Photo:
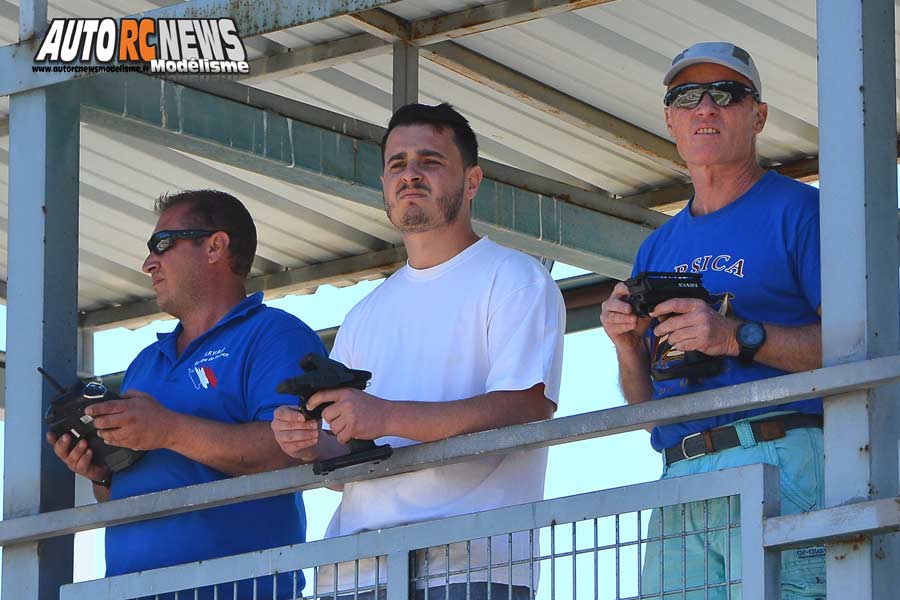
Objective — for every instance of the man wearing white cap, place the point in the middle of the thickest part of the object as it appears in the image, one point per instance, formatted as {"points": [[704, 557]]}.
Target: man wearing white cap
{"points": [[753, 235]]}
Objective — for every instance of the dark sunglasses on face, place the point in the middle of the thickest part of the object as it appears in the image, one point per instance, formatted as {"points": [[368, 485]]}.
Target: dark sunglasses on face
{"points": [[161, 241], [723, 93]]}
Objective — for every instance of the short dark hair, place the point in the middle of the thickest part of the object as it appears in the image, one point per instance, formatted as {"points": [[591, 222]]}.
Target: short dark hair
{"points": [[213, 209], [440, 117]]}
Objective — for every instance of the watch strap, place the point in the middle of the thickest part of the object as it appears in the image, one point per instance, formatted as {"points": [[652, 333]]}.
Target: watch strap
{"points": [[746, 353]]}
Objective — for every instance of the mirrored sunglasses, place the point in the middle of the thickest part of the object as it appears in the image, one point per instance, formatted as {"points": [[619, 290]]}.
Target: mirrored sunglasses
{"points": [[161, 241], [723, 93]]}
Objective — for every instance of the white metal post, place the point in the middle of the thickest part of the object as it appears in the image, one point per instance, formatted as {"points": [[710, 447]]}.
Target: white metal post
{"points": [[857, 139], [86, 542], [760, 570], [41, 316], [398, 575]]}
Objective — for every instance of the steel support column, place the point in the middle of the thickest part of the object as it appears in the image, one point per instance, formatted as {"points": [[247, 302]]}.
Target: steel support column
{"points": [[41, 325], [406, 75], [32, 19], [858, 127]]}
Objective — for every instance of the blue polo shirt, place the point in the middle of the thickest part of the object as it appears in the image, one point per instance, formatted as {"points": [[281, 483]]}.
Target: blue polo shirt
{"points": [[228, 374]]}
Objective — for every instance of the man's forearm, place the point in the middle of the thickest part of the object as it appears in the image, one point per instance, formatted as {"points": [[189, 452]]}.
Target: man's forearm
{"points": [[792, 349], [239, 449], [430, 421], [634, 375]]}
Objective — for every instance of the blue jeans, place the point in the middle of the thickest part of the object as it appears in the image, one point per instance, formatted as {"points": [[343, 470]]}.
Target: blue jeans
{"points": [[799, 457]]}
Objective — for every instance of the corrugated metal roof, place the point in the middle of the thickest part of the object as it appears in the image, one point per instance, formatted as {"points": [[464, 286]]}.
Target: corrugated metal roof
{"points": [[611, 57]]}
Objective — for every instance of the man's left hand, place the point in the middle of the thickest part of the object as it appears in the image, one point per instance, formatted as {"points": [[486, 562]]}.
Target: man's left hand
{"points": [[692, 324], [137, 421], [354, 414]]}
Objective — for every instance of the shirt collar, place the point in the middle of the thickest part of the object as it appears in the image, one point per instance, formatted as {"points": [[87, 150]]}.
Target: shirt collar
{"points": [[166, 341]]}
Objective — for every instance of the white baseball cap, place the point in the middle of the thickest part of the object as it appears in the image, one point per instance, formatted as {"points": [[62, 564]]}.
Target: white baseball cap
{"points": [[719, 53]]}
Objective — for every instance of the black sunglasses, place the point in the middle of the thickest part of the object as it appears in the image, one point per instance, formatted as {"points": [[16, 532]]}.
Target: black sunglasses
{"points": [[161, 241], [723, 93]]}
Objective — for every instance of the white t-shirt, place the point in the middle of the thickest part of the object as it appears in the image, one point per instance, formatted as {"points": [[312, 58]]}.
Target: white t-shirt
{"points": [[489, 319]]}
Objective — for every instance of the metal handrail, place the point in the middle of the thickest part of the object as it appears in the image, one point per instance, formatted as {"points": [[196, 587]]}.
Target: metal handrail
{"points": [[826, 381], [756, 485]]}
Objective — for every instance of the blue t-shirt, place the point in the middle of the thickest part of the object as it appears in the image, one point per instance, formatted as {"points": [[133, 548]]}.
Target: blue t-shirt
{"points": [[763, 248], [228, 374]]}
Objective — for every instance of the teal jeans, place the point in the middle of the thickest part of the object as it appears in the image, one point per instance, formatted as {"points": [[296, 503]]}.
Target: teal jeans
{"points": [[698, 558]]}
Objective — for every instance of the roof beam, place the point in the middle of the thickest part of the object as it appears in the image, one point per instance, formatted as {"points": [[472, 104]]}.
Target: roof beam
{"points": [[261, 44], [667, 195], [392, 28], [513, 84], [491, 16], [266, 16], [362, 130], [804, 169], [382, 29], [245, 189], [582, 296], [380, 23], [595, 200], [318, 56], [340, 165], [275, 285]]}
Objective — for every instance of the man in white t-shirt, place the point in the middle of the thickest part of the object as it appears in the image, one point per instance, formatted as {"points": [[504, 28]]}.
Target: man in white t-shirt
{"points": [[468, 336]]}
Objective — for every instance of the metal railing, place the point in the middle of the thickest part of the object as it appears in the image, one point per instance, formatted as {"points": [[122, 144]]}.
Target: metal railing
{"points": [[586, 546], [821, 382]]}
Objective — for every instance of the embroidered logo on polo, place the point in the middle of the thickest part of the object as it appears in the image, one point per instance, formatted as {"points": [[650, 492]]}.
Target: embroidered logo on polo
{"points": [[203, 377], [201, 372]]}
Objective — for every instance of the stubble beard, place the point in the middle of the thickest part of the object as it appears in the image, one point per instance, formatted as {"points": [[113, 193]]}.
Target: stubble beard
{"points": [[416, 220]]}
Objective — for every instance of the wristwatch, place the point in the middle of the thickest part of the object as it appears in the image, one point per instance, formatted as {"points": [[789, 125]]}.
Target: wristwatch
{"points": [[750, 338]]}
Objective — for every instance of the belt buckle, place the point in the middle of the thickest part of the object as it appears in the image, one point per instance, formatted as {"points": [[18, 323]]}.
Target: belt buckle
{"points": [[684, 452]]}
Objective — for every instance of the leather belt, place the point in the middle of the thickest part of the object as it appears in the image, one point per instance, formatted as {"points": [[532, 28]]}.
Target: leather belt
{"points": [[721, 438]]}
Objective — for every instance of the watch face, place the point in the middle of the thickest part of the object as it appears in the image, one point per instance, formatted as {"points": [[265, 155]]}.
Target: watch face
{"points": [[751, 335]]}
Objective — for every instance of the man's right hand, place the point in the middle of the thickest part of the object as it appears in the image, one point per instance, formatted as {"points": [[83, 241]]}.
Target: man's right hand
{"points": [[77, 457], [297, 435], [621, 324]]}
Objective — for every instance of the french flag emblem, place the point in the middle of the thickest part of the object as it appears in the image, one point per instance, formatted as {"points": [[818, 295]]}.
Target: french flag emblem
{"points": [[203, 377]]}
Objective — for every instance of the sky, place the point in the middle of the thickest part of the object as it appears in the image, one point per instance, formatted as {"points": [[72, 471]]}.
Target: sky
{"points": [[589, 383]]}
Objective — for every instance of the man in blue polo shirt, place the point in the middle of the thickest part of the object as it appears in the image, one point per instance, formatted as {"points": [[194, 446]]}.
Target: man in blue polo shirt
{"points": [[753, 235], [200, 399]]}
